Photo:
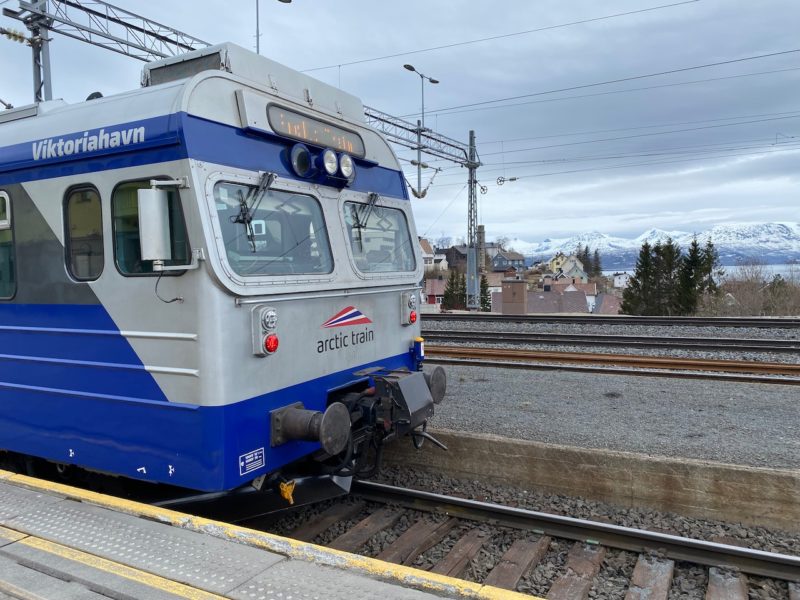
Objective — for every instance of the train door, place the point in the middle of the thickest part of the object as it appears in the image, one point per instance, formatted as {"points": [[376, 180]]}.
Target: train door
{"points": [[8, 280]]}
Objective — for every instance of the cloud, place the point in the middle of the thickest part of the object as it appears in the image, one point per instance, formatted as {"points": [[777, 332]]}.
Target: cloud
{"points": [[670, 195]]}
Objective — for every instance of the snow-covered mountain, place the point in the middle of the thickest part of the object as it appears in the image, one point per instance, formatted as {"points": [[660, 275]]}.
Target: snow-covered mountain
{"points": [[770, 243]]}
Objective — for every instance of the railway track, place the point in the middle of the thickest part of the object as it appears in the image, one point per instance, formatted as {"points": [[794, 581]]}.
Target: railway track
{"points": [[729, 370], [758, 322], [456, 530], [634, 341]]}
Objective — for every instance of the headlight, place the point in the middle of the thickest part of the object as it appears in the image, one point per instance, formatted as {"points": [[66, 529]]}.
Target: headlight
{"points": [[330, 162], [347, 167], [302, 163]]}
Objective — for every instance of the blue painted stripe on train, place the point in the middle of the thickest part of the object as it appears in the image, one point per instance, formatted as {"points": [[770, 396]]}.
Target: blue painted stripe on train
{"points": [[91, 364], [162, 142], [63, 330], [223, 144], [173, 137], [64, 316], [78, 394], [104, 365], [198, 449]]}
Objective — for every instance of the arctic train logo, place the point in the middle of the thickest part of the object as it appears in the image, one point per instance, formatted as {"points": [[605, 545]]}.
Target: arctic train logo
{"points": [[348, 316], [346, 339]]}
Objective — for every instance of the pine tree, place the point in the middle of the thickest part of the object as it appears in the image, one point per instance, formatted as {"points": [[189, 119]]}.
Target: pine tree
{"points": [[486, 297], [597, 266], [637, 299], [461, 292], [583, 256], [711, 271], [689, 280], [450, 291], [666, 265]]}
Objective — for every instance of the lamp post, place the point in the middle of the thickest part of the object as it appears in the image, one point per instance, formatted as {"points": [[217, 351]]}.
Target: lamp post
{"points": [[420, 126], [258, 26]]}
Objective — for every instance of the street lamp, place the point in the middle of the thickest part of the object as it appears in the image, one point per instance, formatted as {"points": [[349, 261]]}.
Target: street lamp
{"points": [[258, 28], [420, 126]]}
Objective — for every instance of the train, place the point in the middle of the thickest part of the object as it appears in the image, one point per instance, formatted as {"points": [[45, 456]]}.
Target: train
{"points": [[210, 282]]}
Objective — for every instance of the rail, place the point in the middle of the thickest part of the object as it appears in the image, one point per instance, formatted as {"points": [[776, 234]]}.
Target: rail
{"points": [[610, 364], [746, 560], [759, 322], [580, 339]]}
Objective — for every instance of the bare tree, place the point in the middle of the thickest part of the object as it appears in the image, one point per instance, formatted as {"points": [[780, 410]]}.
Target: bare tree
{"points": [[743, 290], [783, 294]]}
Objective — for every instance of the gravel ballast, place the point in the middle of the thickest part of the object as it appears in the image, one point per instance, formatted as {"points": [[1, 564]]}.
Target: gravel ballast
{"points": [[689, 582], [739, 423], [698, 332]]}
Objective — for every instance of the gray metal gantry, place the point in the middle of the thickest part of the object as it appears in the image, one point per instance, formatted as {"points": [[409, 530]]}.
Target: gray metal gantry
{"points": [[413, 136], [100, 24]]}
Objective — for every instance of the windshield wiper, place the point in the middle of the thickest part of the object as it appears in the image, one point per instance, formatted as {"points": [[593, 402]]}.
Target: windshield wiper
{"points": [[246, 212], [360, 219], [372, 199]]}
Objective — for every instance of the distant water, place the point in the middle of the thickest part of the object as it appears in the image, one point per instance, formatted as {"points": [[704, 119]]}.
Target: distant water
{"points": [[785, 270]]}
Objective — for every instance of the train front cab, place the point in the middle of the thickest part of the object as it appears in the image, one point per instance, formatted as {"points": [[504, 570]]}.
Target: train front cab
{"points": [[337, 372]]}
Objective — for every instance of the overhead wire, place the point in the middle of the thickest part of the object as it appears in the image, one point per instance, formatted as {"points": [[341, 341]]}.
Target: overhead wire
{"points": [[444, 210], [696, 153], [647, 163], [446, 112], [638, 127], [619, 80], [498, 37], [777, 116], [641, 135]]}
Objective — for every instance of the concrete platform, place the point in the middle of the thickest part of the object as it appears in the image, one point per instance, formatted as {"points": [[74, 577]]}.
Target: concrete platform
{"points": [[62, 542], [710, 490]]}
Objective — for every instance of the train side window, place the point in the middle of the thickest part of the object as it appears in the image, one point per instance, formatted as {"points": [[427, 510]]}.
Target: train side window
{"points": [[125, 218], [83, 222], [8, 278]]}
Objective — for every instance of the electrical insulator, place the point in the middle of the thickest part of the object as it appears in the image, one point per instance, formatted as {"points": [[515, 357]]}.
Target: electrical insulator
{"points": [[13, 35]]}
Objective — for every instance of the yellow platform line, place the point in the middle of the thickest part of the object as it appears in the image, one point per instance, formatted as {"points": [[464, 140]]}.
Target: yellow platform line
{"points": [[114, 568], [288, 547]]}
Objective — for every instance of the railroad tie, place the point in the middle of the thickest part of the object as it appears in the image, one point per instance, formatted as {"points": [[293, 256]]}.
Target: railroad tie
{"points": [[583, 565], [461, 554], [726, 585], [517, 561], [307, 532], [652, 578], [352, 540], [421, 536]]}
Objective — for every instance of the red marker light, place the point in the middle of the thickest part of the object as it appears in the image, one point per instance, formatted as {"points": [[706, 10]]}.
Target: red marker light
{"points": [[271, 343], [412, 318]]}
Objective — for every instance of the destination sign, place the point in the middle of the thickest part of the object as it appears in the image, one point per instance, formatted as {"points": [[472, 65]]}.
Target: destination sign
{"points": [[308, 129]]}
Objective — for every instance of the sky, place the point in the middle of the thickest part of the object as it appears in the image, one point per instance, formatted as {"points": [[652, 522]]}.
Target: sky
{"points": [[570, 97]]}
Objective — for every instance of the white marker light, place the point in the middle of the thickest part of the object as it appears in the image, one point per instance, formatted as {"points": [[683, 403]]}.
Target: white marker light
{"points": [[330, 161], [347, 167]]}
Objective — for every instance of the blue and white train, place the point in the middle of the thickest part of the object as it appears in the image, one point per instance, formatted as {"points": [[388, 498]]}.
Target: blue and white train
{"points": [[209, 282]]}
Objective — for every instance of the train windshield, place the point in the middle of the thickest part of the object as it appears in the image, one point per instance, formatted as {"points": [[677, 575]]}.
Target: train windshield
{"points": [[272, 232], [379, 237]]}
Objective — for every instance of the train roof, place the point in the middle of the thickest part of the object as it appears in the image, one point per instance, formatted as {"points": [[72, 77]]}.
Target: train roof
{"points": [[201, 84], [282, 81], [165, 86]]}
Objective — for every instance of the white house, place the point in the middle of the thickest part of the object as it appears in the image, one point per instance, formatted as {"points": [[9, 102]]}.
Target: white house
{"points": [[621, 280], [433, 261]]}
